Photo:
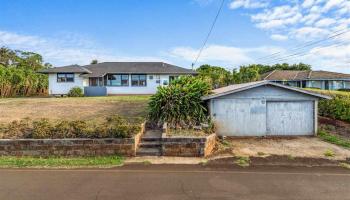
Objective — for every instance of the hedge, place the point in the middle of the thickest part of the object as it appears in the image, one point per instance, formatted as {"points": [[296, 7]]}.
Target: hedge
{"points": [[336, 108], [112, 127]]}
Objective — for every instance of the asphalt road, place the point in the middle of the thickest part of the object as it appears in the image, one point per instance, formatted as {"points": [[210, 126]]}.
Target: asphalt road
{"points": [[175, 182]]}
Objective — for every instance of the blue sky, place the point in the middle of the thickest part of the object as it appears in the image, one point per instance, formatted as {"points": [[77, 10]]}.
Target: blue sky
{"points": [[77, 31]]}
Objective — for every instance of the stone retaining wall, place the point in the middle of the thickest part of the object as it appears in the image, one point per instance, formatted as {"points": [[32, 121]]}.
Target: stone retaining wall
{"points": [[187, 146], [71, 147]]}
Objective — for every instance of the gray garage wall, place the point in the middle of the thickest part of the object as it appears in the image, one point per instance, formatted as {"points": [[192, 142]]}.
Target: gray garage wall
{"points": [[265, 110]]}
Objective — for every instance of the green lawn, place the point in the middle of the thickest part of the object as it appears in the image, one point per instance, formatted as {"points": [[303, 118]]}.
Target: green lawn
{"points": [[64, 162], [70, 108]]}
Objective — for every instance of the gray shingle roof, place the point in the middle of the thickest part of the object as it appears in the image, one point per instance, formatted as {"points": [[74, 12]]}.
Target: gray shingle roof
{"points": [[100, 69], [245, 86], [65, 69], [290, 75]]}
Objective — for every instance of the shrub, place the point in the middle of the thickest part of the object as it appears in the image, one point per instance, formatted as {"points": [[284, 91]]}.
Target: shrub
{"points": [[42, 129], [20, 128], [113, 127], [76, 92], [117, 127], [180, 103], [62, 129], [336, 108]]}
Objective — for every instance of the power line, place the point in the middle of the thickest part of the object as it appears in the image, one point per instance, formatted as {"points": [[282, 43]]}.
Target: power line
{"points": [[307, 44], [304, 52], [209, 33]]}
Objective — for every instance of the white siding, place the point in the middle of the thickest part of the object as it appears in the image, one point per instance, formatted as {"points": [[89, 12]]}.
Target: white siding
{"points": [[58, 88], [151, 87]]}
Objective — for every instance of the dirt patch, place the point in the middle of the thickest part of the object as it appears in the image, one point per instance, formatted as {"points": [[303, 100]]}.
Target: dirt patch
{"points": [[278, 160], [306, 147], [85, 108], [334, 126]]}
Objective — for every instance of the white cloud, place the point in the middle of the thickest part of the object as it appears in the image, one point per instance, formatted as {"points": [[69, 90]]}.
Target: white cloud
{"points": [[250, 4], [298, 17], [278, 17], [231, 55], [66, 48], [279, 37], [310, 33], [308, 3], [332, 4], [325, 22]]}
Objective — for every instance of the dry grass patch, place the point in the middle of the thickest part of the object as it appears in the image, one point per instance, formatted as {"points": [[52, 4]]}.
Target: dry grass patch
{"points": [[294, 147], [83, 108]]}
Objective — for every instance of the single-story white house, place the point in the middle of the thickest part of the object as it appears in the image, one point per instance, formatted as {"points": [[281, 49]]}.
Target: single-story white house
{"points": [[263, 108], [113, 78]]}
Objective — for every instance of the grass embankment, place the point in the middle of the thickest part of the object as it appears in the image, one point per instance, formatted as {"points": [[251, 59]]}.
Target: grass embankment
{"points": [[60, 162], [334, 139]]}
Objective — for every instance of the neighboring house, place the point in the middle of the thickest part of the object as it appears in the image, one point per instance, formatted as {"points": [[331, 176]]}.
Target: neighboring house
{"points": [[263, 108], [113, 78], [310, 79]]}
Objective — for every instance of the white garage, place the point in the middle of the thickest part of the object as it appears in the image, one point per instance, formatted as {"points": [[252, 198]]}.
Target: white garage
{"points": [[263, 108]]}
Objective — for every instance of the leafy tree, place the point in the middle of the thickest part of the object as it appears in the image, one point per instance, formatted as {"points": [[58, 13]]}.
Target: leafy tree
{"points": [[18, 75], [220, 77], [93, 62], [215, 75]]}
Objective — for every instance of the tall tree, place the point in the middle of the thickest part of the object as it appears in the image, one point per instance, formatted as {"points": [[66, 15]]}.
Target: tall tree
{"points": [[215, 75], [18, 76], [93, 62]]}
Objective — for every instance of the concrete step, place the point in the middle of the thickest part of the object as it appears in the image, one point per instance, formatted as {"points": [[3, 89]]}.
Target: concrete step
{"points": [[152, 144], [151, 139], [149, 152]]}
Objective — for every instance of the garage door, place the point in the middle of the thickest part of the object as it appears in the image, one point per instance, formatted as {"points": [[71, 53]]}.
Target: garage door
{"points": [[240, 117], [290, 118]]}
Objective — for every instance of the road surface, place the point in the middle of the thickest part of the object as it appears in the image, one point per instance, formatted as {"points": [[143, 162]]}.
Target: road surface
{"points": [[175, 182]]}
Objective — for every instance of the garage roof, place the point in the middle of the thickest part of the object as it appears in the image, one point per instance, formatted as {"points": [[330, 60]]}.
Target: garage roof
{"points": [[245, 86]]}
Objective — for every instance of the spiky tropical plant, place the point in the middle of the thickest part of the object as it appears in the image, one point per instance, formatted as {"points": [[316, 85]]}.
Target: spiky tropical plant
{"points": [[180, 104]]}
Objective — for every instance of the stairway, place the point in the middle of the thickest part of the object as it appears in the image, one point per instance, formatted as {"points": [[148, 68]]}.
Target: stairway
{"points": [[151, 144]]}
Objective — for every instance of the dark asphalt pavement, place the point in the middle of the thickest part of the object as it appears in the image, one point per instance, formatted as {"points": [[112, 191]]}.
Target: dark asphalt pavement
{"points": [[175, 182]]}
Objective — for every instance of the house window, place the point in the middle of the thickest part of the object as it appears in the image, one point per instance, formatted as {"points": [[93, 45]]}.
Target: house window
{"points": [[157, 77], [118, 80], [150, 77], [172, 78], [139, 80], [65, 77]]}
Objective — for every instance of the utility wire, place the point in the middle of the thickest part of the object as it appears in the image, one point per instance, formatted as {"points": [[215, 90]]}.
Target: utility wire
{"points": [[209, 33], [304, 53], [307, 44]]}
